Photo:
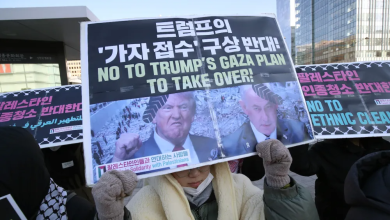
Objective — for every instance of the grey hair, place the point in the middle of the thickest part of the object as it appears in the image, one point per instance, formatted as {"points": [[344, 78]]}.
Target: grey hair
{"points": [[243, 90]]}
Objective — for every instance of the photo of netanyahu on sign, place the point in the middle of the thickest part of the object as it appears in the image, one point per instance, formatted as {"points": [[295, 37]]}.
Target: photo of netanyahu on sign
{"points": [[172, 115], [260, 105]]}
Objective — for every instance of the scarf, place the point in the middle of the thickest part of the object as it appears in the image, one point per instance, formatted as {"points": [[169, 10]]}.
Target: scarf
{"points": [[195, 192], [235, 165], [202, 197], [53, 206]]}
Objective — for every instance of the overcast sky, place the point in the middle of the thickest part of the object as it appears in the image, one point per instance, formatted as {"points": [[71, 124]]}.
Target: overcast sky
{"points": [[119, 9]]}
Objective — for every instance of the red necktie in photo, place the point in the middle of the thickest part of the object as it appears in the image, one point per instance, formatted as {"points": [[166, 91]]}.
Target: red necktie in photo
{"points": [[179, 148]]}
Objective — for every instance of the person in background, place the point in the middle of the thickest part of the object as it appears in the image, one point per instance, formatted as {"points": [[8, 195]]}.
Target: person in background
{"points": [[96, 157], [67, 168], [331, 161], [367, 187], [209, 193], [23, 174], [100, 149]]}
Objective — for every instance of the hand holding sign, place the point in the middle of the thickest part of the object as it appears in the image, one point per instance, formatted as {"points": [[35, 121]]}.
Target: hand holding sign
{"points": [[276, 160], [110, 191], [185, 93], [126, 146]]}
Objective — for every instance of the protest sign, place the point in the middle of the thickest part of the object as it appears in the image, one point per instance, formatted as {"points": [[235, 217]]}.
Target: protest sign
{"points": [[177, 93], [52, 115], [9, 209], [347, 100]]}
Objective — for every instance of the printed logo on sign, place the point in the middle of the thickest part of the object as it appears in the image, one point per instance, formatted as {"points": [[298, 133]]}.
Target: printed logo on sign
{"points": [[171, 159], [65, 129], [101, 170], [382, 101]]}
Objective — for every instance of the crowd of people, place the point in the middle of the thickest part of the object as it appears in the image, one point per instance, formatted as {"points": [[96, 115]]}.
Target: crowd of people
{"points": [[331, 161], [353, 175], [126, 114], [95, 107], [353, 183]]}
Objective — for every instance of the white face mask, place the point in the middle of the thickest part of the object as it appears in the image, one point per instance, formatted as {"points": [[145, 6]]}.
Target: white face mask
{"points": [[195, 192]]}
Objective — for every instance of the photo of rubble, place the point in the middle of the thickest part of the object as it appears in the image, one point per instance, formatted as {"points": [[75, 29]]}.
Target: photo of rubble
{"points": [[230, 115], [110, 119]]}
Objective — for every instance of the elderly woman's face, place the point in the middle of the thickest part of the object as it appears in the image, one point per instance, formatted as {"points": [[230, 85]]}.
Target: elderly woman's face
{"points": [[192, 178]]}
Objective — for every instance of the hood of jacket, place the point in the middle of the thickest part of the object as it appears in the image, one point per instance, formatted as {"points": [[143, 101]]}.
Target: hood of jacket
{"points": [[367, 187], [23, 173]]}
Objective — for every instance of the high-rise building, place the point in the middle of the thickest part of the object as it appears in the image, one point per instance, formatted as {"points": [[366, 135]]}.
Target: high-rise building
{"points": [[293, 44], [335, 31], [285, 10]]}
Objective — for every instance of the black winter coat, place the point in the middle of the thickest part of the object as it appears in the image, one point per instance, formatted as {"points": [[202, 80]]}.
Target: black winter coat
{"points": [[330, 160], [25, 176], [367, 188]]}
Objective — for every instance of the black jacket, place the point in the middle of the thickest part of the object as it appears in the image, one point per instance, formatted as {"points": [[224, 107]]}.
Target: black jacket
{"points": [[367, 188], [23, 174], [66, 167], [331, 160]]}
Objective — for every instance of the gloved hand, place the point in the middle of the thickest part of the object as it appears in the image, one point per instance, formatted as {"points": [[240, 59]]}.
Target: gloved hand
{"points": [[110, 191], [276, 161]]}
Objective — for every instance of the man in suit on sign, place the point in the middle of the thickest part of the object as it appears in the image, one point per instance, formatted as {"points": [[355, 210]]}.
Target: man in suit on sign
{"points": [[173, 115], [260, 104]]}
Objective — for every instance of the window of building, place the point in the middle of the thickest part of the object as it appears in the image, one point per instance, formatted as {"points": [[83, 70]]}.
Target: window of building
{"points": [[29, 76], [388, 54], [378, 41], [378, 53]]}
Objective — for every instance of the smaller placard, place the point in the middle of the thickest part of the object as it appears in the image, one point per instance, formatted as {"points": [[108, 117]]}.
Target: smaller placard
{"points": [[9, 209]]}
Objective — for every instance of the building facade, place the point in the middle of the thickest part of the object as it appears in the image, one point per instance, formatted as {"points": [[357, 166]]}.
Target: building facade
{"points": [[373, 30], [293, 44], [74, 68], [336, 31], [16, 77], [303, 32], [35, 44], [26, 65], [286, 20], [74, 71]]}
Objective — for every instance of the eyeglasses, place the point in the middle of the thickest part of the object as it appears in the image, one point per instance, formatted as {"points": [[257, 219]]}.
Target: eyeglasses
{"points": [[185, 173]]}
